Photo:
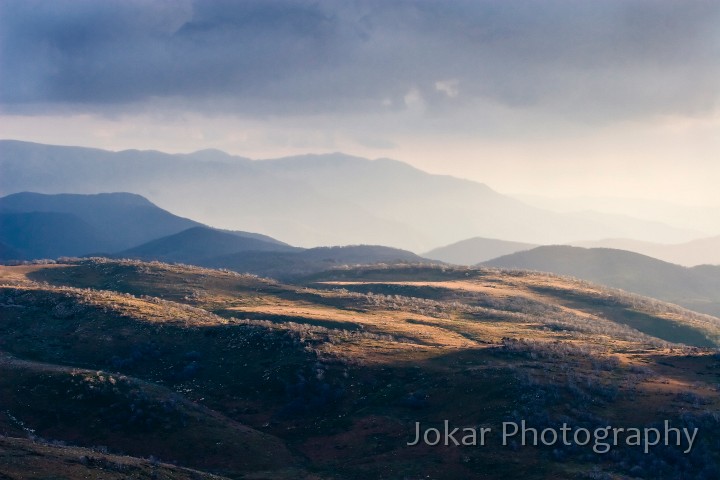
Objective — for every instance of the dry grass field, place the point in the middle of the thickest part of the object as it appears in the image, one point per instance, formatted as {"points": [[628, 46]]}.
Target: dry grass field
{"points": [[154, 369]]}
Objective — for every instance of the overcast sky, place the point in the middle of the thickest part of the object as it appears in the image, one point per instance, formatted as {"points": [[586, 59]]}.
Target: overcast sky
{"points": [[569, 97]]}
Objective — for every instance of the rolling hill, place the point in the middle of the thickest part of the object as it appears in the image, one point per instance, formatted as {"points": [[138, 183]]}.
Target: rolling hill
{"points": [[696, 288], [476, 250], [325, 378], [196, 245], [293, 264], [310, 200], [472, 251], [213, 248], [18, 456]]}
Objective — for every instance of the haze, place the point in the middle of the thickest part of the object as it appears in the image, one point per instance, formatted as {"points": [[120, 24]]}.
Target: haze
{"points": [[555, 98]]}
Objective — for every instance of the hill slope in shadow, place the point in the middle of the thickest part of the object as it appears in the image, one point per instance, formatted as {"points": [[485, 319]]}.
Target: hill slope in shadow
{"points": [[198, 244], [111, 221], [697, 288]]}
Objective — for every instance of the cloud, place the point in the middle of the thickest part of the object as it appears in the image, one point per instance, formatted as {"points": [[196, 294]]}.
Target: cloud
{"points": [[414, 100], [448, 87], [583, 60]]}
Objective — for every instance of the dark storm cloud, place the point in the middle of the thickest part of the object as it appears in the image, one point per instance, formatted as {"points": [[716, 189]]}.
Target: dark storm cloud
{"points": [[581, 58]]}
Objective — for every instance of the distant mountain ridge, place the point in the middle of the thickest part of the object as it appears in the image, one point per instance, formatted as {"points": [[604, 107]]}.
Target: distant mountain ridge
{"points": [[310, 200], [115, 220], [199, 244], [696, 288], [34, 226], [702, 218], [476, 250], [703, 251]]}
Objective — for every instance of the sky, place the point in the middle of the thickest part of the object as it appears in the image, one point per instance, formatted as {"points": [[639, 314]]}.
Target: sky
{"points": [[558, 98]]}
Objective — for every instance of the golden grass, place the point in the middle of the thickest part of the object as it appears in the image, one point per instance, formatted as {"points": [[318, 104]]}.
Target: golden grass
{"points": [[561, 328]]}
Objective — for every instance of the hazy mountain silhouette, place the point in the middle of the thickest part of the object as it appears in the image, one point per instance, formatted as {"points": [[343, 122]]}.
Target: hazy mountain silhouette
{"points": [[696, 252], [8, 253], [256, 236], [36, 226], [232, 250], [47, 235], [476, 250], [51, 226], [312, 199], [696, 288], [119, 220], [216, 188], [700, 218], [197, 244]]}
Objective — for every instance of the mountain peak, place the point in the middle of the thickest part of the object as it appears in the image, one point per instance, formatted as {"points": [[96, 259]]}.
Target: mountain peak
{"points": [[109, 221], [214, 155]]}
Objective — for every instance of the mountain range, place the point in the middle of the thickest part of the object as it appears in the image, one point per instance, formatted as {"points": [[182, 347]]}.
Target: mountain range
{"points": [[313, 200], [702, 251], [124, 225]]}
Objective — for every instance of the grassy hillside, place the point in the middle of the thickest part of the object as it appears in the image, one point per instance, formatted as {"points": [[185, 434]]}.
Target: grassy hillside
{"points": [[213, 248], [47, 460], [294, 264], [242, 376]]}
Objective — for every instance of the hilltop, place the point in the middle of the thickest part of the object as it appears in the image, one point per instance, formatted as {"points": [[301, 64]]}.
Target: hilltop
{"points": [[476, 250]]}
